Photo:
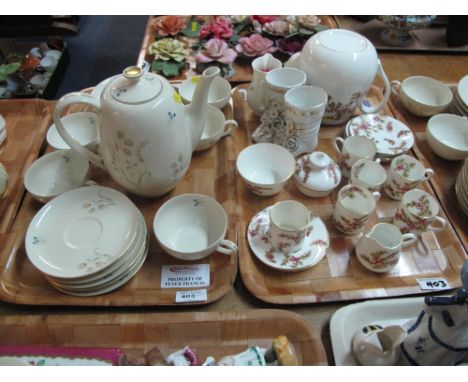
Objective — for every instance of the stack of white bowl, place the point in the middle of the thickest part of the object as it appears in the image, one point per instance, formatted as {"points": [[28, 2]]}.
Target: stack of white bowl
{"points": [[461, 187], [460, 98], [3, 133], [88, 241]]}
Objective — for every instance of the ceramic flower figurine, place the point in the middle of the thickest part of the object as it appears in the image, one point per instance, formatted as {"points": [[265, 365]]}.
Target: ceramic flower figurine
{"points": [[303, 22], [217, 52], [255, 45], [290, 45], [262, 19], [237, 19], [276, 28], [220, 28], [168, 49], [169, 56], [169, 25]]}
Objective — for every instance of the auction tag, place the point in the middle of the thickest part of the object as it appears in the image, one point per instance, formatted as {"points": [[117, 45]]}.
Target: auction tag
{"points": [[191, 295], [433, 284], [185, 276]]}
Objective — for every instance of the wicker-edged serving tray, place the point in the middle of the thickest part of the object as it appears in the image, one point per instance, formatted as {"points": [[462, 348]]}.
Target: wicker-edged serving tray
{"points": [[338, 276], [446, 171], [211, 333], [211, 172]]}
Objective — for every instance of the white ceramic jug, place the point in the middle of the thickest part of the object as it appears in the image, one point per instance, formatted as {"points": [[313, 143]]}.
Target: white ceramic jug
{"points": [[255, 94], [344, 64], [146, 134]]}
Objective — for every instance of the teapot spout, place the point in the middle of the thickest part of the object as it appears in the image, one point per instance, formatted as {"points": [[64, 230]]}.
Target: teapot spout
{"points": [[196, 111]]}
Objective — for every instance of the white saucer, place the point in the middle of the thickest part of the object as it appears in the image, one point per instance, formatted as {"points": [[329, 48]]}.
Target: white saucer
{"points": [[391, 137], [313, 249], [81, 232]]}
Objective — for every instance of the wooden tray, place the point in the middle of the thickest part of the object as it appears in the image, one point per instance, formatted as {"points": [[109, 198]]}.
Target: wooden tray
{"points": [[214, 333], [339, 276], [446, 171], [26, 124], [211, 172], [242, 66]]}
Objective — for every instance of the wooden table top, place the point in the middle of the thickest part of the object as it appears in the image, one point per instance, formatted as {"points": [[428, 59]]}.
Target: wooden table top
{"points": [[447, 68]]}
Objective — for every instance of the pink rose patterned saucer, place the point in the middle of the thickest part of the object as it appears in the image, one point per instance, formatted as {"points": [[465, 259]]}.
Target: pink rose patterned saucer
{"points": [[313, 249]]}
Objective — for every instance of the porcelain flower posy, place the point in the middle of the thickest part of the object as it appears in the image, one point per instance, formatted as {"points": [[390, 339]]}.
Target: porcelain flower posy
{"points": [[304, 21], [220, 28], [263, 19], [277, 27], [255, 45], [168, 49], [216, 50], [169, 25]]}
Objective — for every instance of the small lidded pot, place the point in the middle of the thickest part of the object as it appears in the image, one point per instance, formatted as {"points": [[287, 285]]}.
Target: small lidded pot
{"points": [[316, 174]]}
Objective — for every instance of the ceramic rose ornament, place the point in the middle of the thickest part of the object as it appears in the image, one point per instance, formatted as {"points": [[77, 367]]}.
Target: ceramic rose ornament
{"points": [[217, 52], [255, 46], [169, 25], [220, 28], [169, 56]]}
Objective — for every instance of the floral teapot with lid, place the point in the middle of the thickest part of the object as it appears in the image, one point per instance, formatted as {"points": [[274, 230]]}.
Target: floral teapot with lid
{"points": [[146, 134], [344, 64]]}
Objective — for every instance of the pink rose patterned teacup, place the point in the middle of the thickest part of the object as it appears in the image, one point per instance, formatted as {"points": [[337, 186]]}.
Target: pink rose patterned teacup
{"points": [[352, 149]]}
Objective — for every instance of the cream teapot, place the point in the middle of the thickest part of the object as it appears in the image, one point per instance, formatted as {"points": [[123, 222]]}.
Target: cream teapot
{"points": [[146, 134]]}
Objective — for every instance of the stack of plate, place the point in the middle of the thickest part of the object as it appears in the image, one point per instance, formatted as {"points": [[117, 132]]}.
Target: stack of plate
{"points": [[461, 187], [3, 132], [88, 241], [459, 104], [391, 136]]}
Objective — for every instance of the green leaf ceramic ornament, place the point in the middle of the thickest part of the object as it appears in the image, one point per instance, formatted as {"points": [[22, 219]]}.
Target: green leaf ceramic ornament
{"points": [[7, 69]]}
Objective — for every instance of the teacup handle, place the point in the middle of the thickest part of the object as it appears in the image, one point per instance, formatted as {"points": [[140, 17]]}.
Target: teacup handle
{"points": [[335, 144], [396, 86], [443, 224], [231, 126], [376, 195], [428, 174], [367, 109], [408, 239], [227, 247], [243, 94]]}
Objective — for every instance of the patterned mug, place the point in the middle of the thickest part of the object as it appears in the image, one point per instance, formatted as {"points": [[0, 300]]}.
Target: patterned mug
{"points": [[352, 149], [289, 223], [353, 207], [417, 212], [404, 174]]}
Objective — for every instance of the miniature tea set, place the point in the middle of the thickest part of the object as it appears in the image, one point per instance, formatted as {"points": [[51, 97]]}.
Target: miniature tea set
{"points": [[151, 157]]}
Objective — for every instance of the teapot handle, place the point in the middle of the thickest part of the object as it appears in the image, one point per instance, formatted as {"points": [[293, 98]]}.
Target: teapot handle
{"points": [[368, 109], [65, 101]]}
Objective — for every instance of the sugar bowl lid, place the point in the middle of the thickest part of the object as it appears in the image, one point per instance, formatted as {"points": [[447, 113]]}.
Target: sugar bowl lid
{"points": [[317, 171]]}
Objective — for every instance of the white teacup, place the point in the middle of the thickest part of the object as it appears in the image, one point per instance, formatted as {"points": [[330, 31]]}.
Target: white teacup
{"points": [[192, 226], [404, 174], [379, 249], [56, 173], [218, 95], [352, 149], [368, 174], [423, 96], [417, 212], [216, 127], [265, 168], [49, 63], [289, 223], [353, 206]]}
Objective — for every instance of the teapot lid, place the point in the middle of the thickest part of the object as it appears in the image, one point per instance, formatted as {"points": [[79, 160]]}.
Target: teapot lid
{"points": [[317, 171], [135, 86]]}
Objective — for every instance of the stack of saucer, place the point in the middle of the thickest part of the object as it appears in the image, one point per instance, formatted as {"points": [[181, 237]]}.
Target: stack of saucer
{"points": [[3, 133], [88, 241], [459, 104], [391, 136], [461, 187]]}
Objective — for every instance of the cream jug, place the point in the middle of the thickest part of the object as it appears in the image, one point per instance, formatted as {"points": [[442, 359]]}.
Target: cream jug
{"points": [[146, 134], [344, 64]]}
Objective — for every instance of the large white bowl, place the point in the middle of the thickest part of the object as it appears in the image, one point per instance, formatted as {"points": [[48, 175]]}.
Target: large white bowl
{"points": [[190, 226], [265, 168], [447, 135], [218, 96]]}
